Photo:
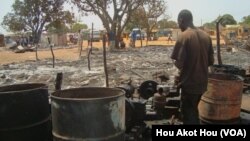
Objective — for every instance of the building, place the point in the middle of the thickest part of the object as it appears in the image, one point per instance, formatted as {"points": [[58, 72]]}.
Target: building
{"points": [[236, 31], [175, 33]]}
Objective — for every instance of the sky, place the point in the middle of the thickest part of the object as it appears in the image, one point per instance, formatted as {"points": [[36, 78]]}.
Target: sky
{"points": [[203, 10]]}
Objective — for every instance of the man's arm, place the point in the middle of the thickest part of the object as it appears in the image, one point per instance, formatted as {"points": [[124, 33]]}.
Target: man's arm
{"points": [[179, 54], [210, 54]]}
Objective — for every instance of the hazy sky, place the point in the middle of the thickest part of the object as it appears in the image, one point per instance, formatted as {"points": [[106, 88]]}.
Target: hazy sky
{"points": [[203, 10]]}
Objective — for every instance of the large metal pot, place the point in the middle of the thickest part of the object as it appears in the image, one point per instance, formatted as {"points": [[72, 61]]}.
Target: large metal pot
{"points": [[89, 114]]}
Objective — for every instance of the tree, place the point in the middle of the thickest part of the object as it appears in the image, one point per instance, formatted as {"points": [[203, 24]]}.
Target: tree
{"points": [[165, 23], [246, 20], [146, 16], [154, 9], [211, 25], [137, 19], [34, 15], [112, 21], [60, 24], [57, 27], [227, 19], [78, 26]]}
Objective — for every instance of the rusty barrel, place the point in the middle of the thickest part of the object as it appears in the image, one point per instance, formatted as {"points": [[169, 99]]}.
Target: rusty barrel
{"points": [[88, 114], [229, 69], [24, 112], [221, 103]]}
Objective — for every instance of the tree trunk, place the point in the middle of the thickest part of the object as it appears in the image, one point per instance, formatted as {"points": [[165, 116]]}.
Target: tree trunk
{"points": [[105, 61], [36, 36], [112, 37]]}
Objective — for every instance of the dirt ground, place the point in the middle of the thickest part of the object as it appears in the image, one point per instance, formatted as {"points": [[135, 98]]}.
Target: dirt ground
{"points": [[71, 53], [68, 53]]}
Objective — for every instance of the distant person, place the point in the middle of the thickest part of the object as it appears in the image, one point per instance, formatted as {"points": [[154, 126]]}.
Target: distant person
{"points": [[31, 42], [22, 41], [111, 40], [192, 55], [18, 41], [107, 39], [169, 37], [133, 38], [122, 43], [79, 36]]}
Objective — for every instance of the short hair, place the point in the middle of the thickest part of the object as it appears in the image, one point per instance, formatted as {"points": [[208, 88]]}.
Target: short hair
{"points": [[186, 15]]}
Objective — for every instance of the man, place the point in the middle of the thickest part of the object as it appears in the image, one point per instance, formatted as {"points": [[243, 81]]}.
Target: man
{"points": [[80, 40], [192, 55], [133, 36], [111, 41], [169, 38]]}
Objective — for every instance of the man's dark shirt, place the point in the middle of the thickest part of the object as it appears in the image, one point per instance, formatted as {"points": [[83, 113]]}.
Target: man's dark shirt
{"points": [[193, 53]]}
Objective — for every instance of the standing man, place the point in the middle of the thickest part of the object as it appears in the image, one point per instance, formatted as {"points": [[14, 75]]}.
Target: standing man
{"points": [[80, 40], [111, 41], [169, 37], [192, 55], [133, 38]]}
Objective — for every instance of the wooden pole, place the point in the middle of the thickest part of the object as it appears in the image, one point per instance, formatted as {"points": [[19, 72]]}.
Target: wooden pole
{"points": [[36, 52], [141, 38], [91, 43], [53, 56], [58, 83], [105, 61], [89, 52], [218, 41], [81, 41]]}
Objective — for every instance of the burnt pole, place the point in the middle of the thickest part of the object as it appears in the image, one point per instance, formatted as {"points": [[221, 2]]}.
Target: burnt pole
{"points": [[218, 41], [105, 61], [58, 82]]}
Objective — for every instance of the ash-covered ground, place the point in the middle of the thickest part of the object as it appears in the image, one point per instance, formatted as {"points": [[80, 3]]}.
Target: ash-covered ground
{"points": [[139, 65]]}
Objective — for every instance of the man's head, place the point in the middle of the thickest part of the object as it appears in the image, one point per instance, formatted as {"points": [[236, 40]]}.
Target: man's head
{"points": [[185, 19]]}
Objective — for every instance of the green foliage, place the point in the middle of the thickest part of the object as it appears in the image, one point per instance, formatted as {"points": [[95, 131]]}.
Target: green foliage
{"points": [[78, 26], [246, 20], [112, 21], [34, 15], [13, 23], [227, 19], [211, 25], [146, 15], [59, 25], [138, 19], [115, 21], [165, 23]]}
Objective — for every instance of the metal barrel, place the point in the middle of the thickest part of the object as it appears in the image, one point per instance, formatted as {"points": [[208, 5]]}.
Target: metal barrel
{"points": [[89, 114], [229, 69], [221, 103], [24, 112]]}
